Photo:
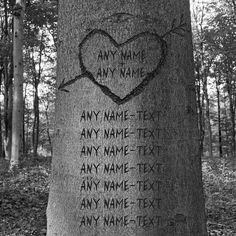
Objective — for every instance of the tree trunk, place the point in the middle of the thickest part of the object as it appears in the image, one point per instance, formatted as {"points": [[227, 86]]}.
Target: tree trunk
{"points": [[1, 143], [36, 99], [27, 137], [7, 108], [208, 119], [234, 6], [126, 148], [232, 115], [48, 128], [25, 122], [219, 117], [36, 122], [17, 114], [200, 108], [23, 129], [226, 127], [7, 90], [5, 19]]}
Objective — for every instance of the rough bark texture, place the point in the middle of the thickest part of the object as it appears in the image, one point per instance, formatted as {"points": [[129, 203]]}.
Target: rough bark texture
{"points": [[1, 143], [208, 119], [219, 117], [232, 116], [152, 185], [200, 108], [37, 77], [35, 134], [17, 113], [48, 128], [7, 108]]}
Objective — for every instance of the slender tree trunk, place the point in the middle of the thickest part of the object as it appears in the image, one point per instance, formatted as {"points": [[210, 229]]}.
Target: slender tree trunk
{"points": [[208, 119], [27, 132], [227, 130], [232, 117], [8, 137], [1, 138], [219, 117], [36, 99], [36, 121], [25, 122], [5, 19], [200, 108], [48, 128], [7, 108], [203, 118], [17, 114], [23, 130], [234, 6], [7, 90], [145, 106]]}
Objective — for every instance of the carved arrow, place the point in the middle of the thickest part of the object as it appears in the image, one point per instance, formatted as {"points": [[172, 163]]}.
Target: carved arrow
{"points": [[64, 84]]}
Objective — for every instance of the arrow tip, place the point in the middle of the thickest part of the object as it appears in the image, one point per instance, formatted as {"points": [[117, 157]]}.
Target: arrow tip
{"points": [[62, 85]]}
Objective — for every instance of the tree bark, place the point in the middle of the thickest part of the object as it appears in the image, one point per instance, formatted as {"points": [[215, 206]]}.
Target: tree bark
{"points": [[23, 129], [48, 128], [205, 70], [1, 138], [7, 108], [200, 108], [219, 117], [37, 76], [25, 122], [27, 128], [35, 134], [17, 114], [234, 6], [232, 115], [227, 129], [7, 66], [125, 82], [5, 19]]}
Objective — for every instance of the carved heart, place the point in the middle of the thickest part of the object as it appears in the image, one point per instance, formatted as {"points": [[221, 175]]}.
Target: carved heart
{"points": [[116, 68]]}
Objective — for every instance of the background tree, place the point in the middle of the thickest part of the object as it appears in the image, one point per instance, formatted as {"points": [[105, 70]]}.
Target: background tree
{"points": [[17, 113], [7, 75]]}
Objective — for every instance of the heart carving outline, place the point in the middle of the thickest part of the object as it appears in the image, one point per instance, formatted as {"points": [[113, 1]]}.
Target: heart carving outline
{"points": [[141, 86]]}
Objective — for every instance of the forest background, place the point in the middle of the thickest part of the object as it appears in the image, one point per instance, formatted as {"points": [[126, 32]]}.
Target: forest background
{"points": [[24, 191]]}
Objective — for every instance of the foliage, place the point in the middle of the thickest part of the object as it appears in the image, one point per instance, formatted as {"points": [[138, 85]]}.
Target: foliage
{"points": [[219, 184], [214, 37], [40, 17]]}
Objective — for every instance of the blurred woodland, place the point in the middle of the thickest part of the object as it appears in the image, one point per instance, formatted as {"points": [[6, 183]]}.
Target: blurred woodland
{"points": [[24, 189]]}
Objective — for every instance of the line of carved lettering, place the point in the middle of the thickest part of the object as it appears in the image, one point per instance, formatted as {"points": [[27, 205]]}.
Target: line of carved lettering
{"points": [[144, 221], [122, 185], [119, 203], [121, 116], [142, 133], [123, 168], [122, 150], [119, 133]]}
